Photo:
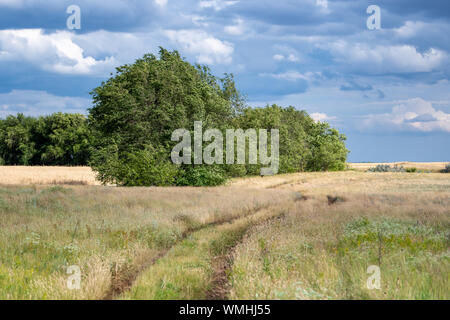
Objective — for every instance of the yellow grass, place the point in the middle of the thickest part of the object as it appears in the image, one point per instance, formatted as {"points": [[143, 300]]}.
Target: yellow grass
{"points": [[26, 175], [432, 166], [168, 238]]}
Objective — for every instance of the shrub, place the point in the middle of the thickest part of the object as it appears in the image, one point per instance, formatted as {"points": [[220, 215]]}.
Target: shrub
{"points": [[146, 167], [387, 168], [446, 169], [199, 176], [410, 170]]}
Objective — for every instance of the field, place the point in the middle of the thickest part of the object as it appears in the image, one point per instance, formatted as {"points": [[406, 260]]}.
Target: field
{"points": [[424, 166], [296, 236]]}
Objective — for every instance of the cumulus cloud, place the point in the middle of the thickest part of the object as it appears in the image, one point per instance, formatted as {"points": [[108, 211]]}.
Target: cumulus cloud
{"points": [[217, 5], [34, 102], [161, 3], [290, 57], [292, 75], [414, 114], [206, 48], [382, 59], [237, 29], [409, 29], [54, 52], [323, 5], [319, 116]]}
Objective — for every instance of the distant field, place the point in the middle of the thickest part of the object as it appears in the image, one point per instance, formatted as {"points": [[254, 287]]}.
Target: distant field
{"points": [[293, 236], [26, 175], [431, 166]]}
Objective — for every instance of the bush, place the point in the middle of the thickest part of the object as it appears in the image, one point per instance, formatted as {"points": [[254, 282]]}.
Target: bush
{"points": [[447, 169], [387, 168], [411, 170], [199, 176], [146, 167]]}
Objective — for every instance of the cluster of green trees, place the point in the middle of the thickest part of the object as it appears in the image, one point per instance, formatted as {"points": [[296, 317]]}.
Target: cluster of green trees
{"points": [[57, 139], [126, 138]]}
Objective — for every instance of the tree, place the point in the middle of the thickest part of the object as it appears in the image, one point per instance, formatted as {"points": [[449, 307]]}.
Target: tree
{"points": [[58, 139], [62, 139], [143, 103], [16, 145]]}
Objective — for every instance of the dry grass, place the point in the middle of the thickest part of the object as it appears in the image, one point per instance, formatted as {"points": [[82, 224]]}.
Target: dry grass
{"points": [[431, 166], [319, 250], [108, 232], [26, 175], [399, 221]]}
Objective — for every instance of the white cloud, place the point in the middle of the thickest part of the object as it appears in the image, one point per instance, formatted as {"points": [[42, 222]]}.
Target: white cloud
{"points": [[318, 116], [291, 75], [33, 103], [161, 3], [409, 29], [386, 59], [290, 57], [414, 114], [237, 29], [206, 48], [323, 5], [217, 5], [278, 57], [54, 52], [198, 21], [284, 52]]}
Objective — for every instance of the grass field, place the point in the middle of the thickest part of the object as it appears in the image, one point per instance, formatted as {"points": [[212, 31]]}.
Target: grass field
{"points": [[426, 166], [297, 236]]}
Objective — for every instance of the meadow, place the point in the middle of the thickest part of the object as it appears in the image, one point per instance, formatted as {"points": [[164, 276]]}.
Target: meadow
{"points": [[293, 236]]}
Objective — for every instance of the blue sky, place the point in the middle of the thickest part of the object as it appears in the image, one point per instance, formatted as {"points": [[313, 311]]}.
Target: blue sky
{"points": [[388, 90]]}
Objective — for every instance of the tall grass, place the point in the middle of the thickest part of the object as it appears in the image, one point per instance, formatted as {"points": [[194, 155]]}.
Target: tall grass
{"points": [[108, 232]]}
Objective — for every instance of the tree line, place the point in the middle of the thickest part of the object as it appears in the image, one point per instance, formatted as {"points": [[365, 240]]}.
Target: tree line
{"points": [[126, 137], [58, 139]]}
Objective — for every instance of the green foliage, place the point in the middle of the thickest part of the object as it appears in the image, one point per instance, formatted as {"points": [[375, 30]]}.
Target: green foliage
{"points": [[58, 139], [447, 169], [387, 168], [144, 103], [16, 144], [394, 235], [305, 145], [127, 136], [202, 176], [411, 170]]}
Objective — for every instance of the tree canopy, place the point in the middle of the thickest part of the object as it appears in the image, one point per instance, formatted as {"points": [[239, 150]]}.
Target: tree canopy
{"points": [[57, 139], [126, 137]]}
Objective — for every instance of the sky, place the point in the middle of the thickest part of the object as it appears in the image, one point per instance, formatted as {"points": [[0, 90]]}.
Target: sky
{"points": [[387, 89]]}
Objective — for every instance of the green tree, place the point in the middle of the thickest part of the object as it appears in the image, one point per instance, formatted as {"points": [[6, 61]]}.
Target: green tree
{"points": [[62, 139], [16, 144], [143, 103]]}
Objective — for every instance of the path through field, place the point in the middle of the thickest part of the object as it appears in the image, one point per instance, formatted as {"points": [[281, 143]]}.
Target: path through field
{"points": [[296, 236]]}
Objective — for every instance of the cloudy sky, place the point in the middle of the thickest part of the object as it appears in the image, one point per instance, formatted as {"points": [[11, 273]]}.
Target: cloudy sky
{"points": [[388, 90]]}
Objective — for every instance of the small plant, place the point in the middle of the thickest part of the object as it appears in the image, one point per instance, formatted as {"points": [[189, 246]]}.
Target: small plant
{"points": [[387, 168], [447, 169], [411, 170]]}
